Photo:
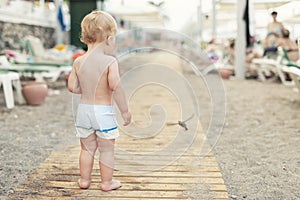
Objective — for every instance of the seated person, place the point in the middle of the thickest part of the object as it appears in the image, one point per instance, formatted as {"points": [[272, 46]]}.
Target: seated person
{"points": [[289, 45], [270, 44], [211, 50]]}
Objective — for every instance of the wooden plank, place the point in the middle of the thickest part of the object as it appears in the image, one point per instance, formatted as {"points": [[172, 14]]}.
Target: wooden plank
{"points": [[39, 197], [73, 169], [87, 194], [132, 186], [119, 193], [157, 165], [138, 180], [120, 154], [178, 158], [177, 173], [195, 146]]}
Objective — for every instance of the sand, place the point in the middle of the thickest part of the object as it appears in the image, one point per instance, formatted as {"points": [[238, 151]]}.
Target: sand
{"points": [[258, 150]]}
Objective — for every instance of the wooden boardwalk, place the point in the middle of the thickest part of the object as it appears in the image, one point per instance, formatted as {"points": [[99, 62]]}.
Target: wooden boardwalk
{"points": [[144, 168], [189, 177]]}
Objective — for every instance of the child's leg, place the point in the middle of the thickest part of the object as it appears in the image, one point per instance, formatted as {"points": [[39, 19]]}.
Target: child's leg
{"points": [[106, 149], [86, 160]]}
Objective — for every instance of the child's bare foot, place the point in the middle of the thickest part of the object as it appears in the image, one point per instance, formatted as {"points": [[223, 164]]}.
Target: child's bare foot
{"points": [[113, 185], [83, 184]]}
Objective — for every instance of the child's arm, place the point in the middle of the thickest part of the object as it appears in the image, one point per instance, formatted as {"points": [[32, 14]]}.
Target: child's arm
{"points": [[73, 82], [119, 95]]}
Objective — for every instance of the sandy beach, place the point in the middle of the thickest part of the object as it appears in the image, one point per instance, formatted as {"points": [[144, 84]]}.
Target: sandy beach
{"points": [[258, 151]]}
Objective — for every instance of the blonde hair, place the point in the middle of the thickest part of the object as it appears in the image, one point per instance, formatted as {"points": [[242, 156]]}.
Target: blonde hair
{"points": [[96, 26]]}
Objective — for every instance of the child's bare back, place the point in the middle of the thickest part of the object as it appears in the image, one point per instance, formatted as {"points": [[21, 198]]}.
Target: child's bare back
{"points": [[98, 77]]}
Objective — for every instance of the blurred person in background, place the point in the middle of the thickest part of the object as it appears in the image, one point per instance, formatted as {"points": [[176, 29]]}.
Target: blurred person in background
{"points": [[275, 27], [289, 45]]}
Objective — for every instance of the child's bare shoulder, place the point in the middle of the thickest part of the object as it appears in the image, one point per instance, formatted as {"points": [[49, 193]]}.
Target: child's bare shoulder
{"points": [[111, 60], [77, 62]]}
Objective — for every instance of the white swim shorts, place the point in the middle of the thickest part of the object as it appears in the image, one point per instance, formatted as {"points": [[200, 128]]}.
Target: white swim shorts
{"points": [[96, 118]]}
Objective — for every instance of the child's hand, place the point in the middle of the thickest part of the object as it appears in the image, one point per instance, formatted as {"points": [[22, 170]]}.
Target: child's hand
{"points": [[127, 118]]}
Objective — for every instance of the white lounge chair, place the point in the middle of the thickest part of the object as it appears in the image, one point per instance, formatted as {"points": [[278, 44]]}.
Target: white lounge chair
{"points": [[8, 80], [39, 72], [291, 68], [266, 66]]}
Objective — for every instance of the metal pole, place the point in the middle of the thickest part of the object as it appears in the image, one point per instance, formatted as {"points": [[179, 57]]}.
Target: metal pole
{"points": [[100, 4], [42, 4], [240, 43], [214, 21], [200, 21]]}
